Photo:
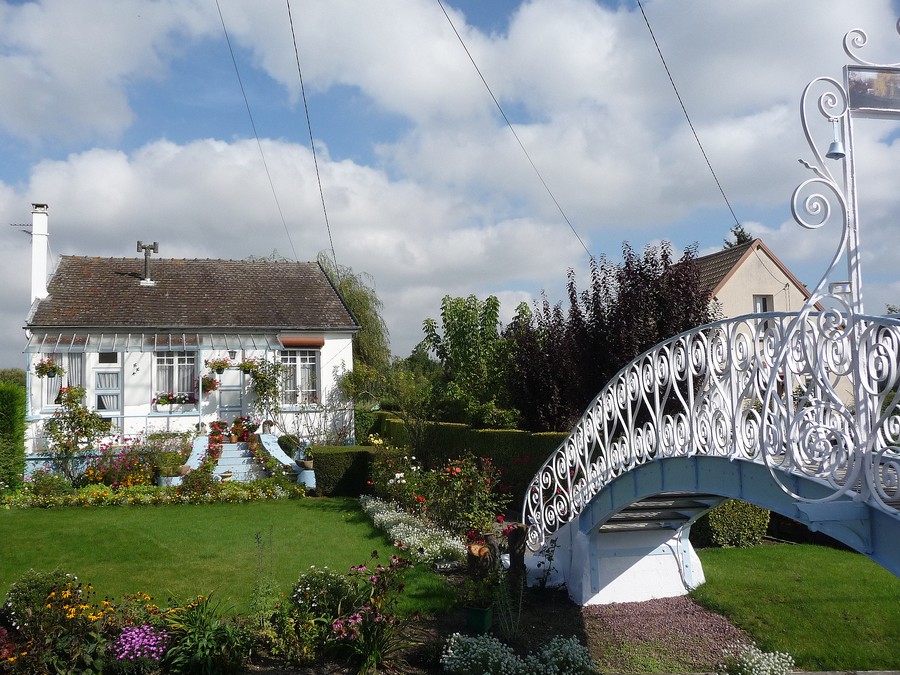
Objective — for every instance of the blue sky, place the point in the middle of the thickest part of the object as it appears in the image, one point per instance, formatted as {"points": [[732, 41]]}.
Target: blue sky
{"points": [[126, 117]]}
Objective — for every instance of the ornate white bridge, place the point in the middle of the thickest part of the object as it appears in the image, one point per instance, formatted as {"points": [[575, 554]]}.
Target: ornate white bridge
{"points": [[799, 413]]}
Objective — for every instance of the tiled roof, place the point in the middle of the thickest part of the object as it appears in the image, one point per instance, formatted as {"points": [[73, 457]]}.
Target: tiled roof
{"points": [[227, 294], [715, 266]]}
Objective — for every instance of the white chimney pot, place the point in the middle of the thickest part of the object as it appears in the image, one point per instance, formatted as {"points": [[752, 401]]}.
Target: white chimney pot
{"points": [[39, 249]]}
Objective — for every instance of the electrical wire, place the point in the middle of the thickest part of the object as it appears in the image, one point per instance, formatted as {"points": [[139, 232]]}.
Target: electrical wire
{"points": [[312, 144], [253, 125], [686, 116], [509, 124]]}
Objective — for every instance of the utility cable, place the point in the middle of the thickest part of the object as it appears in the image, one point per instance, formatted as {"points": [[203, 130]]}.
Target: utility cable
{"points": [[509, 124], [686, 116], [253, 125], [312, 144]]}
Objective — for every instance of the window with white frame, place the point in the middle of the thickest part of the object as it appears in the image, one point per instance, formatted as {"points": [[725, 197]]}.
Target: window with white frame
{"points": [[73, 364], [300, 377], [107, 389], [176, 373]]}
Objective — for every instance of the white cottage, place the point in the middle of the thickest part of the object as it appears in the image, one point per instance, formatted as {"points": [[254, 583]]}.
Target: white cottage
{"points": [[138, 333]]}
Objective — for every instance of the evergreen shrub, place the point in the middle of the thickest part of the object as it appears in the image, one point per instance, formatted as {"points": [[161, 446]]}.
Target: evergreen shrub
{"points": [[732, 523], [342, 470], [12, 435]]}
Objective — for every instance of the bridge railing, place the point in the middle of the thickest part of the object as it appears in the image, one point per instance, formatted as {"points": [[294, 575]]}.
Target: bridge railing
{"points": [[814, 394]]}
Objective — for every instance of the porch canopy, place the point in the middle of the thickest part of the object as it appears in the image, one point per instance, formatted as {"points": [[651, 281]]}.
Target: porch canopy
{"points": [[62, 343]]}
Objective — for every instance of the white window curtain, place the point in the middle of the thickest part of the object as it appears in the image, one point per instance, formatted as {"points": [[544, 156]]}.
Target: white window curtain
{"points": [[108, 381], [73, 364], [300, 376], [176, 372]]}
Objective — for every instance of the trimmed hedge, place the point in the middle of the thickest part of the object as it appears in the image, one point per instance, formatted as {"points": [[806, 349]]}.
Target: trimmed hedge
{"points": [[342, 470], [732, 523], [519, 454], [12, 435]]}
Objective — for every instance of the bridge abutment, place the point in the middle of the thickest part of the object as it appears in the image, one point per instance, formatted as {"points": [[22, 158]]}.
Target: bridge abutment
{"points": [[605, 567]]}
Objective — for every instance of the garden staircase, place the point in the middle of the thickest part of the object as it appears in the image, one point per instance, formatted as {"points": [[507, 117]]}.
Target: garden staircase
{"points": [[236, 461]]}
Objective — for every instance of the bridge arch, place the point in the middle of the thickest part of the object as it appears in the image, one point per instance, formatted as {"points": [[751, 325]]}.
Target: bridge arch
{"points": [[799, 413]]}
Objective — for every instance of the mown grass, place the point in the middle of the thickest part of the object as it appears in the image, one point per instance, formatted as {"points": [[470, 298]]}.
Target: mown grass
{"points": [[830, 609], [183, 550]]}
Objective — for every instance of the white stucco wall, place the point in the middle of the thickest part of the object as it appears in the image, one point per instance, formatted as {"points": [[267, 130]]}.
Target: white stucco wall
{"points": [[137, 415]]}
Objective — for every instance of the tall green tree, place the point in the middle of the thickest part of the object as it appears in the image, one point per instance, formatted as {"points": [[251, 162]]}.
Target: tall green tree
{"points": [[472, 354]]}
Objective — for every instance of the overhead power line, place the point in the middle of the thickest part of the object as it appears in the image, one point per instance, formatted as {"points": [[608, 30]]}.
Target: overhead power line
{"points": [[312, 144], [686, 116], [253, 125], [509, 124]]}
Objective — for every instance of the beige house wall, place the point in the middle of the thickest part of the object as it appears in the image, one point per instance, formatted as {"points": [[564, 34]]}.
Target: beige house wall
{"points": [[758, 275]]}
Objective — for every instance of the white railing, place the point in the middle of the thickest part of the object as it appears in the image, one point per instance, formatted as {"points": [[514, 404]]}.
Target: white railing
{"points": [[810, 394]]}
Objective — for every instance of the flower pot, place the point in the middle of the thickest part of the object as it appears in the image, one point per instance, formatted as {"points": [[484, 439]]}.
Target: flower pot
{"points": [[479, 619], [306, 463], [219, 371], [234, 438], [168, 481]]}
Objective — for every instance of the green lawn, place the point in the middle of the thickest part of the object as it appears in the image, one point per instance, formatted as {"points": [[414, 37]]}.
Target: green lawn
{"points": [[179, 551], [830, 609]]}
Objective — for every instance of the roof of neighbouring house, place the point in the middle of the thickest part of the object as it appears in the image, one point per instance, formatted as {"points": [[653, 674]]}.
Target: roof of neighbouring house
{"points": [[716, 268], [227, 294]]}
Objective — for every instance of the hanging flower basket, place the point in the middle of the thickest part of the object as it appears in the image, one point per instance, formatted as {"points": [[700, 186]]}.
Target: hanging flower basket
{"points": [[218, 365], [48, 368], [208, 383]]}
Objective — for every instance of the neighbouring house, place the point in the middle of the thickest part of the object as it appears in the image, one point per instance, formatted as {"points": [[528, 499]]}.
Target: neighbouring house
{"points": [[138, 334], [750, 279]]}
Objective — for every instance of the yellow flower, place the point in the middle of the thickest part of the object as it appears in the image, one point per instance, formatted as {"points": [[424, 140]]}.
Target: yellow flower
{"points": [[66, 594]]}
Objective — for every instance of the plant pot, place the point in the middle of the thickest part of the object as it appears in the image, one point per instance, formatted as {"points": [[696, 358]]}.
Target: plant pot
{"points": [[168, 481], [219, 371], [306, 463], [234, 438], [479, 619]]}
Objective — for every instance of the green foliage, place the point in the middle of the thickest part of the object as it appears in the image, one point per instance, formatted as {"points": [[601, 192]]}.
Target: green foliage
{"points": [[73, 431], [371, 345], [363, 424], [60, 629], [731, 523], [342, 470], [741, 236], [267, 383], [474, 357], [13, 376], [203, 641], [12, 435]]}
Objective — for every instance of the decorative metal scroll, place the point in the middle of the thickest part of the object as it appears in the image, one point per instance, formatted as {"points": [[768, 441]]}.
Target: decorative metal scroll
{"points": [[773, 388], [814, 394]]}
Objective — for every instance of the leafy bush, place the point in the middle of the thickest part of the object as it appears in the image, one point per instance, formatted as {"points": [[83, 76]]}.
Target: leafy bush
{"points": [[64, 631], [465, 655], [731, 523], [12, 435], [203, 642], [342, 471]]}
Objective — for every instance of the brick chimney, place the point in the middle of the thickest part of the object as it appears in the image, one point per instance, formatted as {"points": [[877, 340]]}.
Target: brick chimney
{"points": [[39, 250]]}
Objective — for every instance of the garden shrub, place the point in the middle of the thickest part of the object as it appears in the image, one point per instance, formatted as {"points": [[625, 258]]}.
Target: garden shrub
{"points": [[342, 471], [203, 642], [364, 421], [123, 464], [732, 523], [59, 627], [12, 435]]}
